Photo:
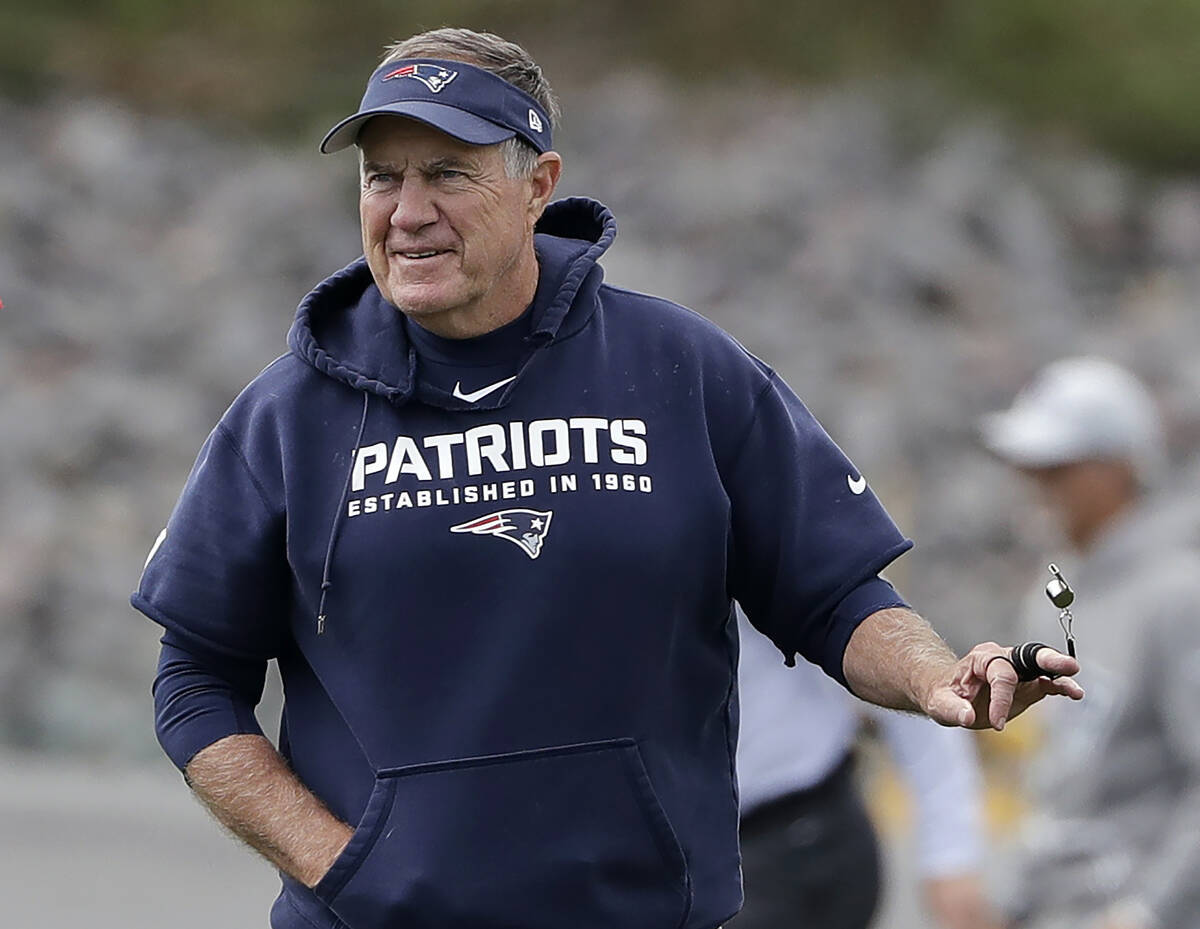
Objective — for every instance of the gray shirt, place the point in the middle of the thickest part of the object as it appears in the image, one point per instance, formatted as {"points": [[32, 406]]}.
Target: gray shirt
{"points": [[1116, 784]]}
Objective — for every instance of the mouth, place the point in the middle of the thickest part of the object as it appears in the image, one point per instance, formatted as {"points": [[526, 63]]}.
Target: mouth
{"points": [[419, 255]]}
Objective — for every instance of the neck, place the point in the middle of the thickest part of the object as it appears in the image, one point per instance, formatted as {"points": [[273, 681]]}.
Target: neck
{"points": [[1086, 530]]}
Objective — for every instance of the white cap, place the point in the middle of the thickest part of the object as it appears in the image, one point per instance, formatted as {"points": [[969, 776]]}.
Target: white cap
{"points": [[1078, 409]]}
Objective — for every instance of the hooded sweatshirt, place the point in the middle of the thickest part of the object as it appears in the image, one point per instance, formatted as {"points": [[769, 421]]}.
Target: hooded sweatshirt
{"points": [[502, 609]]}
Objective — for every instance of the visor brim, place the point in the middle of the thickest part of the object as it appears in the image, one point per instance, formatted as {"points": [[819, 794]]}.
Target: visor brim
{"points": [[459, 124], [1031, 441]]}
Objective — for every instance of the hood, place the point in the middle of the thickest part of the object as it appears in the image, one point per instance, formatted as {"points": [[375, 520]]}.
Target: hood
{"points": [[346, 329]]}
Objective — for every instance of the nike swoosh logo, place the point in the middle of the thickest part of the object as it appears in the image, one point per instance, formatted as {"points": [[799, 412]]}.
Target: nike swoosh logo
{"points": [[162, 536], [476, 395], [856, 487]]}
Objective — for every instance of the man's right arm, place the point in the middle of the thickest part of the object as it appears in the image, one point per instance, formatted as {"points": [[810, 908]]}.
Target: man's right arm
{"points": [[219, 582], [204, 718], [250, 789]]}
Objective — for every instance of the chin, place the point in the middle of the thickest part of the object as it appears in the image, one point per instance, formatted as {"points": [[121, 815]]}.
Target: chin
{"points": [[420, 301], [420, 313]]}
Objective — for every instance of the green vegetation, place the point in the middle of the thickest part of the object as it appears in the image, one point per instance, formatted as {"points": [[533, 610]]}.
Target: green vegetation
{"points": [[1116, 72]]}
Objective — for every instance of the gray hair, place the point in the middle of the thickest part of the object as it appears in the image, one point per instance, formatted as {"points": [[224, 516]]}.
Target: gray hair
{"points": [[506, 60], [520, 158]]}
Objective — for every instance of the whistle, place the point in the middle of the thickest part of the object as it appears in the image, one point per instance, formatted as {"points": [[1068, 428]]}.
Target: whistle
{"points": [[1062, 596], [1058, 590]]}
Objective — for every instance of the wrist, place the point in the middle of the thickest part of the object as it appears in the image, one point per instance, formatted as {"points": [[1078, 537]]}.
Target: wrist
{"points": [[325, 854], [928, 676], [895, 659]]}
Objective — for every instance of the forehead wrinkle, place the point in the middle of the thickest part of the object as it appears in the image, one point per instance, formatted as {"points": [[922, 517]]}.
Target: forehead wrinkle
{"points": [[448, 161]]}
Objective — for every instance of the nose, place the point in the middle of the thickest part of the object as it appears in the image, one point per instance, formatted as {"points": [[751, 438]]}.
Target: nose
{"points": [[414, 208]]}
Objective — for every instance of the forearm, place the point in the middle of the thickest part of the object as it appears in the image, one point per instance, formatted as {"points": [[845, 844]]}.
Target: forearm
{"points": [[894, 659], [251, 790]]}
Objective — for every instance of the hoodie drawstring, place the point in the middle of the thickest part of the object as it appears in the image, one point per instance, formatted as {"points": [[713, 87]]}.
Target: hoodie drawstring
{"points": [[326, 583]]}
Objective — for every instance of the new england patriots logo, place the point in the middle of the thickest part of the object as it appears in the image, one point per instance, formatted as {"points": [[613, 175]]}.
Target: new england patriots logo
{"points": [[526, 528], [435, 77]]}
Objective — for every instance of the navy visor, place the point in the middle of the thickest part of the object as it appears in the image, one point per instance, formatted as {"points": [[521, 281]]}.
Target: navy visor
{"points": [[463, 101]]}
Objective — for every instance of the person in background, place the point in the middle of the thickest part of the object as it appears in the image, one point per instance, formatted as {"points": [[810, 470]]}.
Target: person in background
{"points": [[810, 856], [1113, 839]]}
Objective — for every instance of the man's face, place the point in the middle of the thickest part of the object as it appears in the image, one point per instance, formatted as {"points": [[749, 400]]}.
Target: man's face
{"points": [[1083, 496], [447, 234]]}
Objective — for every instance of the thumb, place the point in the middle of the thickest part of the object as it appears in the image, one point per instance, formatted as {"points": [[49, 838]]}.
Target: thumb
{"points": [[949, 709]]}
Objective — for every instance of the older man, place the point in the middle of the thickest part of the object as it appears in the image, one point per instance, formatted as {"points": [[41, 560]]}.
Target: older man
{"points": [[1114, 839], [489, 515]]}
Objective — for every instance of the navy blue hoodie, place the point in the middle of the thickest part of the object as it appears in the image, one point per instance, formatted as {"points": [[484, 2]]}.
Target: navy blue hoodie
{"points": [[504, 624]]}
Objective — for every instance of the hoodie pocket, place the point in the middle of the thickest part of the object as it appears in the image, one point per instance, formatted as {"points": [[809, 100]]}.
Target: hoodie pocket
{"points": [[572, 836]]}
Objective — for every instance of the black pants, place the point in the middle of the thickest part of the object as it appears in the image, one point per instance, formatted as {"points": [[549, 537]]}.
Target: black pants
{"points": [[810, 860]]}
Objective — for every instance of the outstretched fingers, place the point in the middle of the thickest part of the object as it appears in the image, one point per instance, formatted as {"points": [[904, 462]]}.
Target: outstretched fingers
{"points": [[1060, 687], [985, 683], [1008, 695]]}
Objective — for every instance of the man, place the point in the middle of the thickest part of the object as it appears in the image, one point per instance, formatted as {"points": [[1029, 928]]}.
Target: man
{"points": [[810, 856], [488, 514], [1114, 838]]}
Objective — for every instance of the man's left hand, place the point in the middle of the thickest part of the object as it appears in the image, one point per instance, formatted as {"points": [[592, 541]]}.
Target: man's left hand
{"points": [[982, 689]]}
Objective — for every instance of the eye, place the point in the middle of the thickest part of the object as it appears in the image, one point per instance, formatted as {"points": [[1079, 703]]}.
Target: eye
{"points": [[451, 174], [377, 178]]}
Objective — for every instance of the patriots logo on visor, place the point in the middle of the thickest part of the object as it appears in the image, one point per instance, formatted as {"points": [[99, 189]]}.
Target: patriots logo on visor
{"points": [[435, 77], [526, 528]]}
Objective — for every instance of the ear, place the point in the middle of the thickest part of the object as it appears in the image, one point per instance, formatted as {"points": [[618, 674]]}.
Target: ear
{"points": [[543, 181]]}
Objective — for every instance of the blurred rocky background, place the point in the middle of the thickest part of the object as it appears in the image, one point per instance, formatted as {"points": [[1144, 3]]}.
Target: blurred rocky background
{"points": [[906, 207]]}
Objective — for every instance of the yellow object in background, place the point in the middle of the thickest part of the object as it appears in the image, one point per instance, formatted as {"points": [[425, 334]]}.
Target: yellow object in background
{"points": [[1002, 760]]}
